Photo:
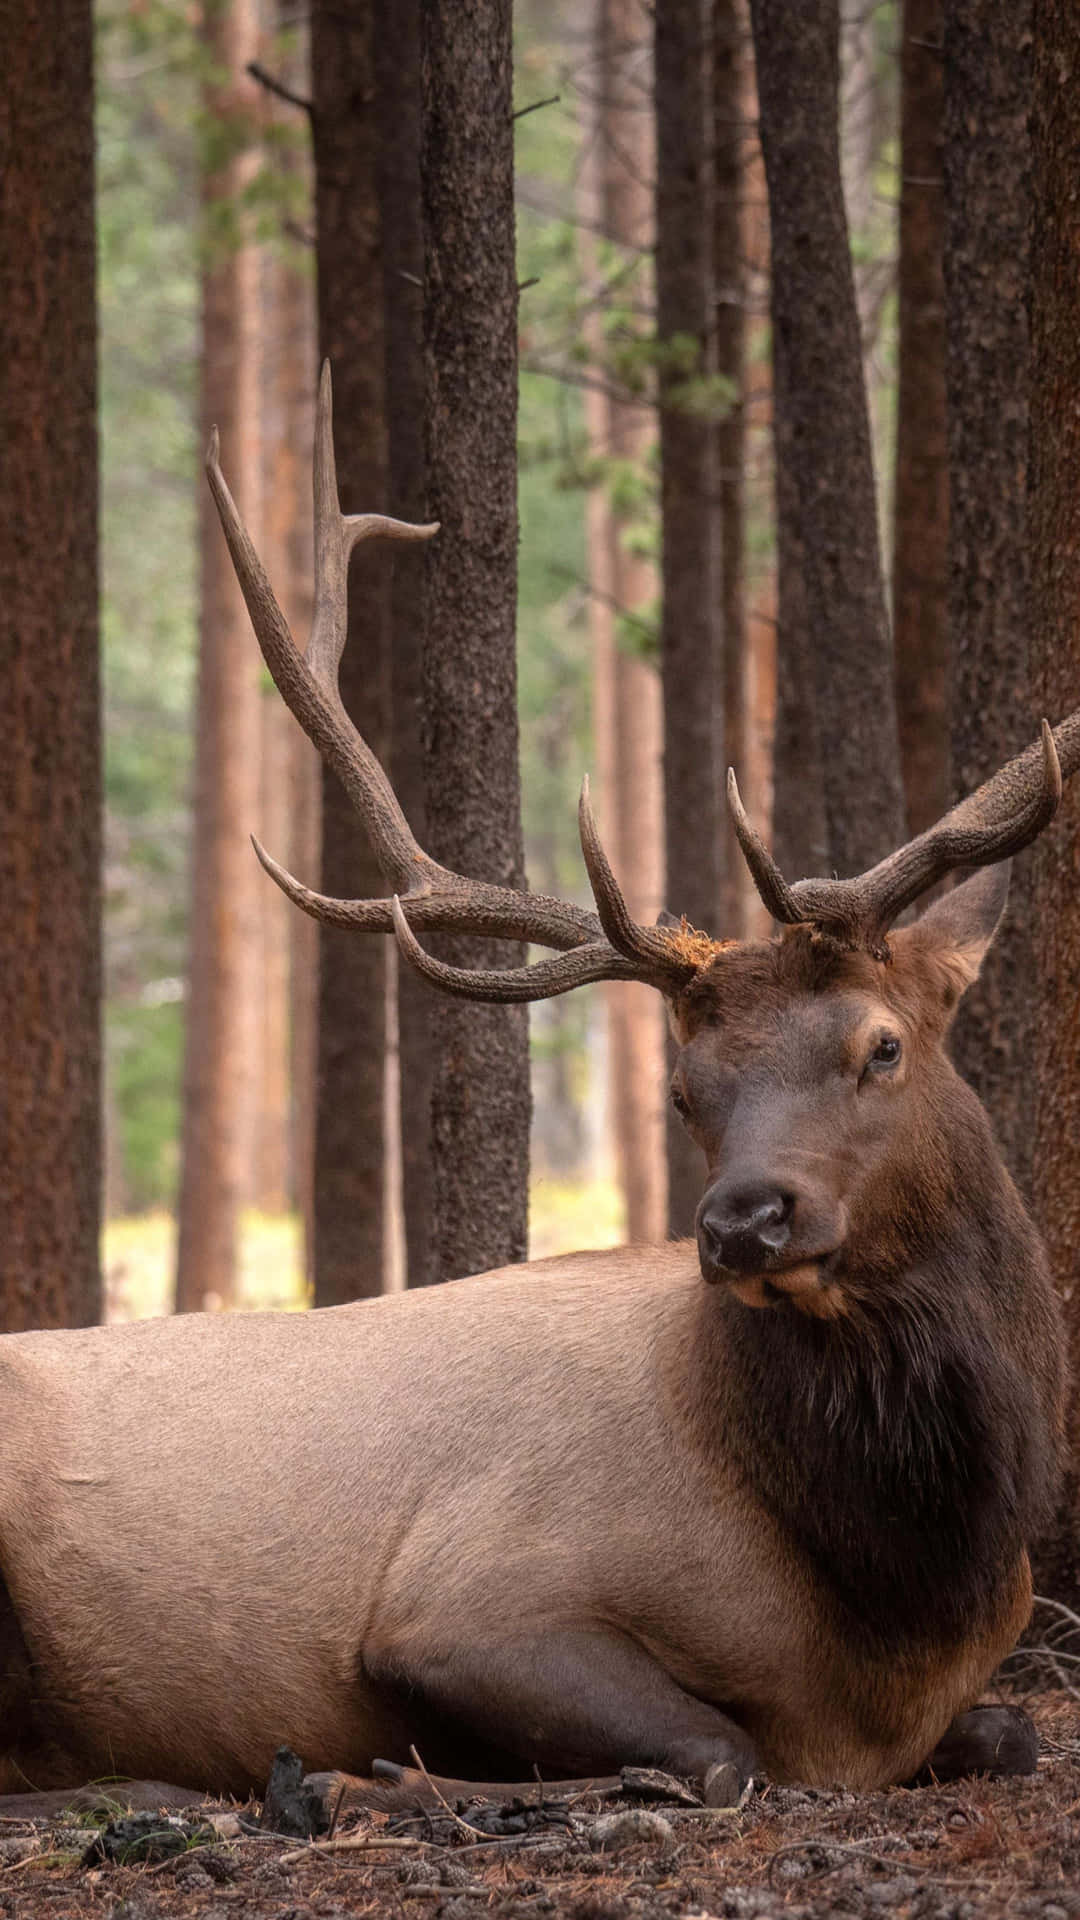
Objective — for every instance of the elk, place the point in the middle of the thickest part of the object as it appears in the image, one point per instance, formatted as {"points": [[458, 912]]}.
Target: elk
{"points": [[757, 1501]]}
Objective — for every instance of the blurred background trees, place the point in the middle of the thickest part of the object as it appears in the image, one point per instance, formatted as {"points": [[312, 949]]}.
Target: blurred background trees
{"points": [[741, 409]]}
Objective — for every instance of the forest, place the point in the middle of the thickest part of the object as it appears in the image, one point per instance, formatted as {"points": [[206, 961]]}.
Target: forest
{"points": [[722, 357]]}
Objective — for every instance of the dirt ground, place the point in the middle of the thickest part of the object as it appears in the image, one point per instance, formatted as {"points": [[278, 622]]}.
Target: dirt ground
{"points": [[958, 1853]]}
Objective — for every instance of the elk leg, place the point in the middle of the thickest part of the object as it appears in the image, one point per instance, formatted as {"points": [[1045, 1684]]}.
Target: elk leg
{"points": [[989, 1740], [107, 1797], [391, 1788], [582, 1703]]}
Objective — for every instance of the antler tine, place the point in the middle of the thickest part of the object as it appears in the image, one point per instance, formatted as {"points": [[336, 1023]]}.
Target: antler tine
{"points": [[308, 683], [544, 980], [860, 911], [453, 906], [772, 888], [649, 949]]}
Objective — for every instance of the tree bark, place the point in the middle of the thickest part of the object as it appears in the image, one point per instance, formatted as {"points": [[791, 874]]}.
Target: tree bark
{"points": [[728, 295], [397, 57], [800, 834], [50, 768], [1054, 522], [480, 1071], [691, 639], [290, 770], [920, 565], [349, 1130], [221, 1029], [756, 765], [635, 820], [821, 390], [993, 705]]}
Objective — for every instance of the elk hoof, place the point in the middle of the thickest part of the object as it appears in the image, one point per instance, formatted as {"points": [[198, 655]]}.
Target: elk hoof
{"points": [[993, 1741]]}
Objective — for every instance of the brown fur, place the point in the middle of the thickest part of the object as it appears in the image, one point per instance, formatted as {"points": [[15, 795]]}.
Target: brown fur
{"points": [[592, 1512]]}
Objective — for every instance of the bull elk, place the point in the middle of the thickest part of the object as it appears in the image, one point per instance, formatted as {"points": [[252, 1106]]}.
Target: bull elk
{"points": [[759, 1502]]}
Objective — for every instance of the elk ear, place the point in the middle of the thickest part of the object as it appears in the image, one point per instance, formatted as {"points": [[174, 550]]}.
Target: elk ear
{"points": [[958, 929]]}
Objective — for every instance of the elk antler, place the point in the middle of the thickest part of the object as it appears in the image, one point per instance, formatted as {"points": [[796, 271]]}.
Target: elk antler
{"points": [[1003, 815], [603, 946]]}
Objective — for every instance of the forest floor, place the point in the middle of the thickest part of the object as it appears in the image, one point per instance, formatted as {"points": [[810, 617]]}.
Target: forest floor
{"points": [[964, 1852]]}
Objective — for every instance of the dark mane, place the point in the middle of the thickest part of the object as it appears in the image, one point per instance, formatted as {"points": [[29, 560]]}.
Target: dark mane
{"points": [[909, 1451]]}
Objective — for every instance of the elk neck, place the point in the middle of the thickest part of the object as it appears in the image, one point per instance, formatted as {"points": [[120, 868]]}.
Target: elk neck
{"points": [[909, 1447]]}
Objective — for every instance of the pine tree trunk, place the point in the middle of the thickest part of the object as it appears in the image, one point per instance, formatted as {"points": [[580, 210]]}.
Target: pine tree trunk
{"points": [[270, 1182], [636, 842], [800, 834], [290, 772], [398, 81], [920, 566], [600, 555], [480, 1068], [728, 295], [1054, 521], [349, 1133], [222, 1011], [992, 702], [825, 432], [691, 639], [755, 765], [50, 768]]}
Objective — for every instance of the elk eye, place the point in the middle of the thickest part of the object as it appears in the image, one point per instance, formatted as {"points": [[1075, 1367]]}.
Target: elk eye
{"points": [[678, 1101], [886, 1053]]}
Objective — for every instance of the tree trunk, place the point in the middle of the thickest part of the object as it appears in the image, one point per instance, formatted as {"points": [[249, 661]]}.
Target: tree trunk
{"points": [[728, 295], [480, 1067], [800, 835], [398, 82], [1054, 519], [636, 832], [993, 706], [50, 768], [600, 549], [691, 641], [821, 391], [858, 153], [221, 1030], [756, 765], [290, 771], [349, 1135], [920, 566]]}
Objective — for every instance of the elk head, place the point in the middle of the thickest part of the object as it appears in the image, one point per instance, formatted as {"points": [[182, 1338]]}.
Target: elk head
{"points": [[811, 1070]]}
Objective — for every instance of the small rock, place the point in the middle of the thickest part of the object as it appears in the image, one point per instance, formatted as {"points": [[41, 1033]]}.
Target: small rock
{"points": [[614, 1830], [1054, 1912]]}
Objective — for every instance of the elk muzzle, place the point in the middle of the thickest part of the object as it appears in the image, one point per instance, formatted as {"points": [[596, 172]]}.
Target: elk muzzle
{"points": [[745, 1230], [768, 1241]]}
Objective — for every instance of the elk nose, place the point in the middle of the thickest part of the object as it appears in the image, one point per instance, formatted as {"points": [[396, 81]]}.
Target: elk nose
{"points": [[745, 1230]]}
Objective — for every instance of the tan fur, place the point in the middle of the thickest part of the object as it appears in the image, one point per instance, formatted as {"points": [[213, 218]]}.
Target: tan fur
{"points": [[211, 1524]]}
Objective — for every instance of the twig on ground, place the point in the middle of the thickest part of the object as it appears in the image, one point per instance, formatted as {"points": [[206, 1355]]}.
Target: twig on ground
{"points": [[356, 1843], [444, 1802]]}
